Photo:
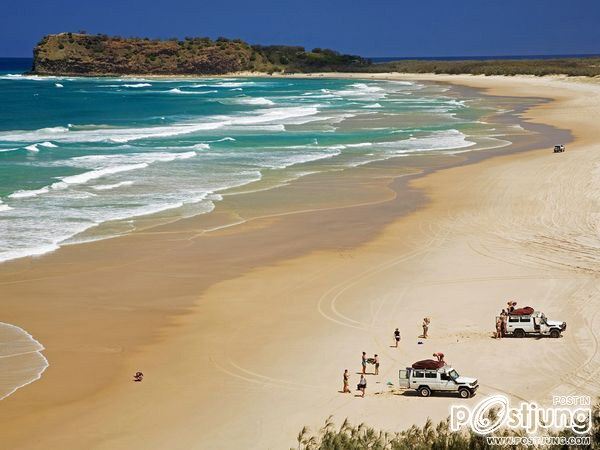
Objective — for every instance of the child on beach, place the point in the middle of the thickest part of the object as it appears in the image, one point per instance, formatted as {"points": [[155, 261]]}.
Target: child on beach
{"points": [[362, 385], [397, 336], [346, 389]]}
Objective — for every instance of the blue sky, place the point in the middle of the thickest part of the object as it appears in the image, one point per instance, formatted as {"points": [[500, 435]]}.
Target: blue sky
{"points": [[365, 27]]}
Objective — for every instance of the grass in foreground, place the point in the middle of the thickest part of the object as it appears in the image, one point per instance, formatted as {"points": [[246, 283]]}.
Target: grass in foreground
{"points": [[429, 436]]}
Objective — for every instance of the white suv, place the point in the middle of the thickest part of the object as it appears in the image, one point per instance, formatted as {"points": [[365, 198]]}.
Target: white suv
{"points": [[445, 379], [535, 324]]}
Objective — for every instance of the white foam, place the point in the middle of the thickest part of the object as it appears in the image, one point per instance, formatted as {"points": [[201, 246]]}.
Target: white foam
{"points": [[94, 174], [109, 187], [105, 165], [34, 147], [122, 135], [235, 84], [360, 144], [58, 85], [179, 91], [4, 150], [4, 207], [253, 101], [137, 85], [373, 105], [29, 193], [31, 363]]}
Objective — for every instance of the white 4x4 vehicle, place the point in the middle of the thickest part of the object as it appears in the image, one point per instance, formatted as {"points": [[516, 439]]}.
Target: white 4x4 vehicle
{"points": [[533, 324], [445, 379]]}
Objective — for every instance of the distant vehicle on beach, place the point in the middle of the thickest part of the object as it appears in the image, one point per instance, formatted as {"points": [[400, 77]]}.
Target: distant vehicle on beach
{"points": [[532, 323], [443, 379], [559, 148]]}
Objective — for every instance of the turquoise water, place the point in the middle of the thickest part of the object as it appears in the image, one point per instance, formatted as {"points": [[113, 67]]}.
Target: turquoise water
{"points": [[78, 153]]}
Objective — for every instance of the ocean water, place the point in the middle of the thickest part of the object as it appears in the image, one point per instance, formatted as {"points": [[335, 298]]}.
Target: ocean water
{"points": [[81, 157]]}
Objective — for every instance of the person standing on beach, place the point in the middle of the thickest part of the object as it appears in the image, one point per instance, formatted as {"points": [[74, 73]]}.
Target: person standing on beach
{"points": [[346, 389], [426, 322], [364, 362], [376, 359], [499, 321], [362, 385], [397, 336]]}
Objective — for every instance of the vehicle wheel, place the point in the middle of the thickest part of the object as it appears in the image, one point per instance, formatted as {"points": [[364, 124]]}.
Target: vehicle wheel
{"points": [[554, 333], [519, 333], [424, 391], [464, 393]]}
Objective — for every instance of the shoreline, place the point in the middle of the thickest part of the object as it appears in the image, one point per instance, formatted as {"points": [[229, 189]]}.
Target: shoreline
{"points": [[208, 307]]}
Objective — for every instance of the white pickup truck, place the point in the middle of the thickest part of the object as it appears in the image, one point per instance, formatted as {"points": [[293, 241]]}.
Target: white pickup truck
{"points": [[444, 379], [535, 324]]}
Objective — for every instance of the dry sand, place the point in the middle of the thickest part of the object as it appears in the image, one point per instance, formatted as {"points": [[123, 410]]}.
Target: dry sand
{"points": [[261, 352]]}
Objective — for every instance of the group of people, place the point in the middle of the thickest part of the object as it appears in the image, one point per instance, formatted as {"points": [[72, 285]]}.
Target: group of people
{"points": [[362, 384], [501, 319]]}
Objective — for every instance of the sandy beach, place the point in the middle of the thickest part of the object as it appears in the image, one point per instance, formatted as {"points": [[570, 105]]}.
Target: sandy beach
{"points": [[243, 333]]}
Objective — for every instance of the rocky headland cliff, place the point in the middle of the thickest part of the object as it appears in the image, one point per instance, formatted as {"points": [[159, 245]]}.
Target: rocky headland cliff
{"points": [[86, 54]]}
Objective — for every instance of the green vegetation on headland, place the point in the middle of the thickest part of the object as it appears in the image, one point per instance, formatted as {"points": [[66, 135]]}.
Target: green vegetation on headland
{"points": [[437, 437], [586, 67], [86, 54]]}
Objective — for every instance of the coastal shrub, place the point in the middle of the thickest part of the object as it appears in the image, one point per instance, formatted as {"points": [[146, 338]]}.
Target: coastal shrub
{"points": [[538, 67]]}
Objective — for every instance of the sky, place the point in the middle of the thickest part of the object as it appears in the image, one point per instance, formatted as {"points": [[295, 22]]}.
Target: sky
{"points": [[369, 28]]}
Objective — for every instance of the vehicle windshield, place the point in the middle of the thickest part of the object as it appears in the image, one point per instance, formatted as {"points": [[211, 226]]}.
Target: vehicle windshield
{"points": [[453, 374]]}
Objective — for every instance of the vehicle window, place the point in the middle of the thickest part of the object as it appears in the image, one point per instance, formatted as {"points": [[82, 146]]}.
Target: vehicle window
{"points": [[445, 377], [453, 374], [430, 375], [513, 319], [419, 374], [525, 319]]}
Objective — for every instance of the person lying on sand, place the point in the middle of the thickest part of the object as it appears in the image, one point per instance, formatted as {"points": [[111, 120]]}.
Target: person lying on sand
{"points": [[362, 385], [139, 376]]}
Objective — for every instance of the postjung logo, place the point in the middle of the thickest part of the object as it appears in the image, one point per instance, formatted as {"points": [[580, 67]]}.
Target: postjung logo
{"points": [[494, 413]]}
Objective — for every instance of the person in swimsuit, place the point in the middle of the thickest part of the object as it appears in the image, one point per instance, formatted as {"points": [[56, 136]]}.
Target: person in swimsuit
{"points": [[362, 385], [397, 336], [426, 322], [364, 362], [346, 389], [499, 328]]}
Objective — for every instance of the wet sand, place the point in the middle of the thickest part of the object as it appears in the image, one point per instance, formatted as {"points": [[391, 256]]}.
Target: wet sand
{"points": [[243, 332]]}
